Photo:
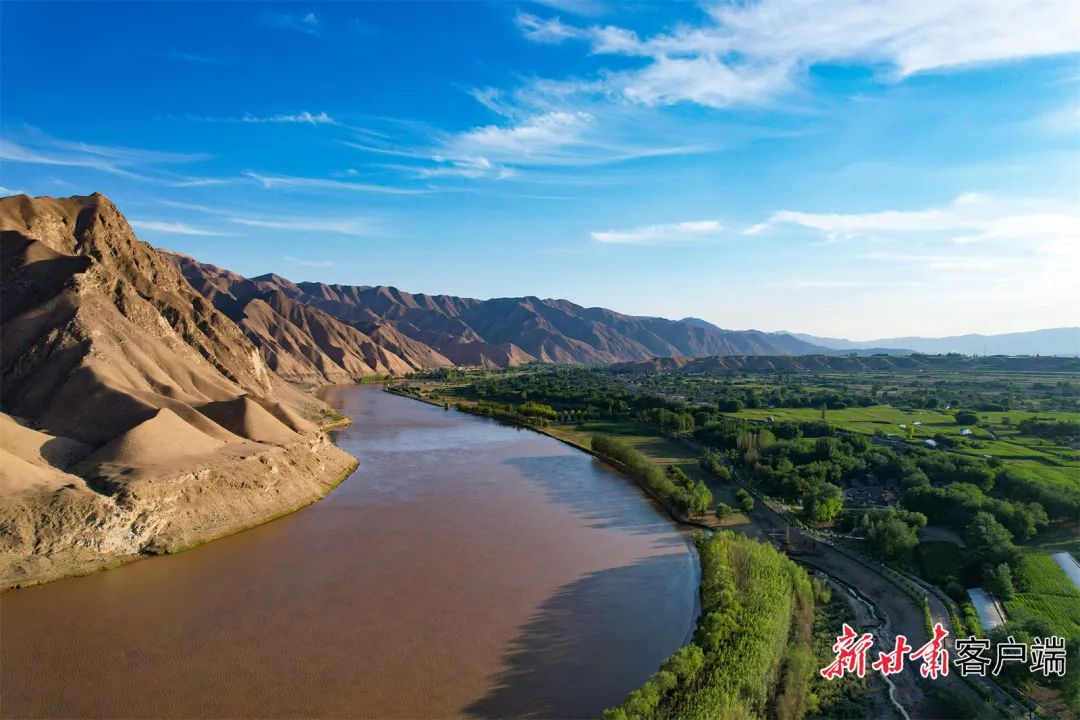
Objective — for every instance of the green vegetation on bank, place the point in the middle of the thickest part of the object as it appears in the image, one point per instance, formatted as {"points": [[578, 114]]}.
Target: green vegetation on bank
{"points": [[751, 655], [529, 413], [673, 486], [329, 419], [846, 697]]}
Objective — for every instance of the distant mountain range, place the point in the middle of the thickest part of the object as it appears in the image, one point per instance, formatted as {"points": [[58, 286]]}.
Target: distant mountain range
{"points": [[1052, 341], [314, 332], [812, 347]]}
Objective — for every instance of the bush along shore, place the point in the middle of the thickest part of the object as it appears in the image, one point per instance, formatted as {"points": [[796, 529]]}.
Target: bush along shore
{"points": [[751, 655]]}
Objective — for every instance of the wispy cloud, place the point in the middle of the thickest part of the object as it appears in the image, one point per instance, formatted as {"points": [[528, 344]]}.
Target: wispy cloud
{"points": [[682, 233], [550, 30], [271, 182], [529, 139], [538, 136], [347, 226], [199, 182], [970, 218], [301, 118], [746, 53], [564, 138], [1007, 253], [353, 225], [576, 7], [34, 147], [300, 22], [174, 228], [466, 167], [5, 191], [308, 263]]}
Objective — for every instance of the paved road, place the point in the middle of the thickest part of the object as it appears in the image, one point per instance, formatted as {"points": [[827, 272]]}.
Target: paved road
{"points": [[900, 613]]}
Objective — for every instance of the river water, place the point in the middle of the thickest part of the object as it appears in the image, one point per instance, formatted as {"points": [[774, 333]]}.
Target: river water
{"points": [[466, 569]]}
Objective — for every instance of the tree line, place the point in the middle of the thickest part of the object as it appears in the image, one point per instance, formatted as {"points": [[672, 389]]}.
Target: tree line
{"points": [[751, 655]]}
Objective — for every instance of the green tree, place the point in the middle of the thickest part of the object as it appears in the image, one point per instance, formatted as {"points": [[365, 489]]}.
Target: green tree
{"points": [[991, 541], [824, 503], [700, 497], [998, 580], [888, 534], [966, 417], [824, 447]]}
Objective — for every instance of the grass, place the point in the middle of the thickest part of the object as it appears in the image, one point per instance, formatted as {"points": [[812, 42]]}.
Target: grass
{"points": [[658, 448], [1058, 538], [331, 419], [1047, 593]]}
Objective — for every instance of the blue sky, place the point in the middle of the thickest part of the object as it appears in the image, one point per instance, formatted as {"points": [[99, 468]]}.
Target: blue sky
{"points": [[845, 168]]}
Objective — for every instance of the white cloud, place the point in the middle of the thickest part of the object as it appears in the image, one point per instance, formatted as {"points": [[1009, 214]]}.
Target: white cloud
{"points": [[552, 138], [356, 226], [669, 234], [472, 168], [271, 182], [704, 80], [541, 126], [300, 118], [305, 23], [748, 52], [493, 100], [559, 138], [577, 7], [174, 228], [303, 117], [970, 218], [6, 191], [346, 226], [546, 31], [34, 147], [199, 182], [536, 136], [995, 256]]}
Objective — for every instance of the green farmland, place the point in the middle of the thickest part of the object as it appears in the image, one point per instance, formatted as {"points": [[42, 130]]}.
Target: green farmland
{"points": [[1044, 591], [992, 437]]}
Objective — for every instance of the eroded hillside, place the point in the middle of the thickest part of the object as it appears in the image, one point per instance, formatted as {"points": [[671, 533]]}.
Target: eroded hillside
{"points": [[136, 416]]}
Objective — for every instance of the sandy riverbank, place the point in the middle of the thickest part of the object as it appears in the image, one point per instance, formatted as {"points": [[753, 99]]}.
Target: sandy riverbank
{"points": [[49, 535]]}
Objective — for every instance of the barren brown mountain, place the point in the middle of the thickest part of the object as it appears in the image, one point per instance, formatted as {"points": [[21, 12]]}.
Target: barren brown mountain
{"points": [[300, 342], [136, 417], [417, 331]]}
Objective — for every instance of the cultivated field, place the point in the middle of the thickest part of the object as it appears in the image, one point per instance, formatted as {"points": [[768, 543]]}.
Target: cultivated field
{"points": [[1046, 592]]}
